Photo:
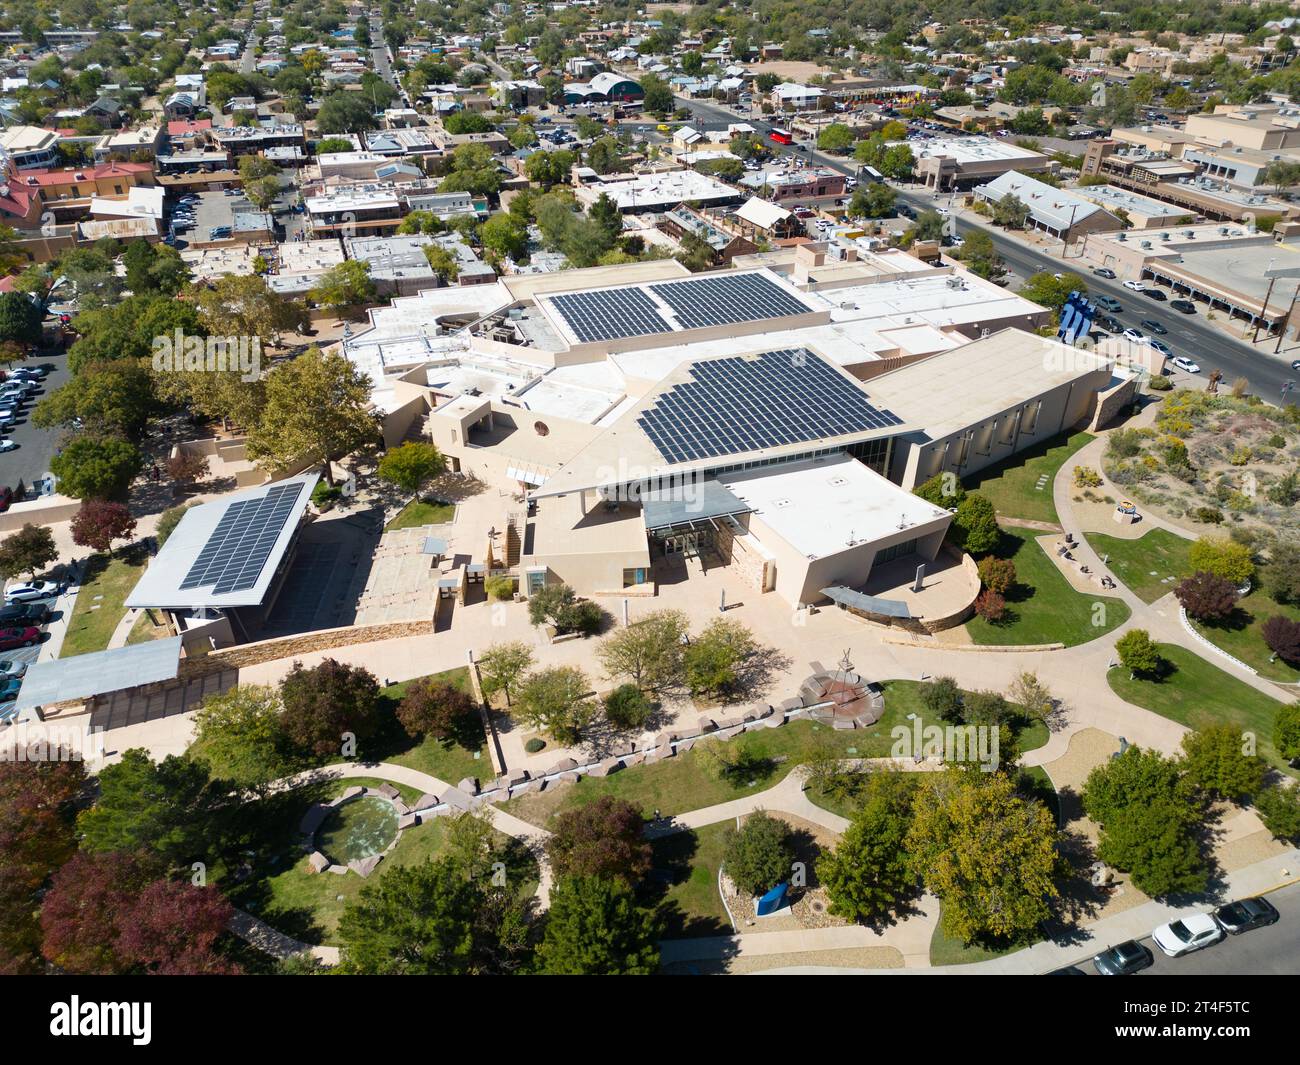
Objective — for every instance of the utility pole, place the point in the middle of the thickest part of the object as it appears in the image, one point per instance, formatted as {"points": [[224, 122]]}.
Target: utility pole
{"points": [[1281, 333], [1264, 310]]}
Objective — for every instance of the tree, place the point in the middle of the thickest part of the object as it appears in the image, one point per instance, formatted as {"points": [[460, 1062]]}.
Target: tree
{"points": [[1032, 696], [626, 707], [187, 467], [1215, 762], [1282, 635], [28, 551], [328, 145], [605, 213], [1223, 557], [96, 467], [115, 398], [263, 192], [1206, 596], [1278, 807], [443, 262], [1138, 653], [20, 321], [651, 652], [325, 704], [89, 903], [1149, 821], [556, 701], [415, 920], [868, 876], [559, 605], [759, 854], [1286, 731], [411, 465], [37, 835], [317, 409], [997, 574], [975, 525], [713, 657], [239, 735], [1050, 291], [502, 667], [432, 707], [98, 522], [243, 305], [505, 235], [873, 200], [344, 112], [164, 806], [348, 284], [595, 928], [986, 852], [835, 137], [658, 97], [473, 170], [942, 698], [601, 838], [943, 491], [980, 256]]}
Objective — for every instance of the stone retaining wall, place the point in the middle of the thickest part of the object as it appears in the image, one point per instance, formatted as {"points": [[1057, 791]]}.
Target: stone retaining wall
{"points": [[252, 654]]}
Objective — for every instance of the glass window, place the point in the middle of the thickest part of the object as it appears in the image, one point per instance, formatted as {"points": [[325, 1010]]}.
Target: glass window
{"points": [[894, 551]]}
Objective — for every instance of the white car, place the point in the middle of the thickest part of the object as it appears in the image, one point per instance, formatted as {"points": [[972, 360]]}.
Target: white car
{"points": [[10, 670], [1132, 334], [8, 445], [1187, 934], [29, 593], [1136, 286], [1185, 364]]}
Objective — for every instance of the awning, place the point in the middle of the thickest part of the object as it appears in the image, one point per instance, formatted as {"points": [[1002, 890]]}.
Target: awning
{"points": [[99, 672], [525, 475], [695, 501], [433, 545], [868, 604]]}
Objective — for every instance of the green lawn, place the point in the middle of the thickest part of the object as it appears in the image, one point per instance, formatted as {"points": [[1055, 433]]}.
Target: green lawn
{"points": [[679, 784], [101, 601], [945, 951], [290, 898], [1197, 694], [417, 513], [1145, 563], [1240, 634], [448, 760], [686, 867], [1012, 484], [1043, 607]]}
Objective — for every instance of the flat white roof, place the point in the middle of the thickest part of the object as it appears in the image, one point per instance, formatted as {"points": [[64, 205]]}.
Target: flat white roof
{"points": [[828, 504], [973, 150]]}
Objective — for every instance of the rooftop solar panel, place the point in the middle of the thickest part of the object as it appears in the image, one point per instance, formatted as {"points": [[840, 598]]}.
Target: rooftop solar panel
{"points": [[236, 552], [736, 405], [727, 299], [608, 314]]}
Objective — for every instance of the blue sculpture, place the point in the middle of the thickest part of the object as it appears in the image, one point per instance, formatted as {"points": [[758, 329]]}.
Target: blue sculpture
{"points": [[1076, 318], [773, 900]]}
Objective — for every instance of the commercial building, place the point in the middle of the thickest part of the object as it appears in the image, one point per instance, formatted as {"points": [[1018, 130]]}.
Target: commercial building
{"points": [[29, 147], [960, 162], [1141, 212], [1059, 213], [638, 193]]}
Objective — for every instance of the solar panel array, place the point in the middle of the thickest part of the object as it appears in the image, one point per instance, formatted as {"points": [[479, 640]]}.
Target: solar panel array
{"points": [[736, 405], [236, 552], [727, 300], [611, 313]]}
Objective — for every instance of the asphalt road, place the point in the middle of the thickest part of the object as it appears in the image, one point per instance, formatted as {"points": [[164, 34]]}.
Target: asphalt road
{"points": [[384, 68], [1270, 951], [1188, 334], [35, 446]]}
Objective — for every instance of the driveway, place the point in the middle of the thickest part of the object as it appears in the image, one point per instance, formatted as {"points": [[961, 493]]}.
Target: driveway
{"points": [[35, 446]]}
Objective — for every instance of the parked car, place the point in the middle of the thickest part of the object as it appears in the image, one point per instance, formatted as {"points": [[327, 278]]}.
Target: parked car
{"points": [[1183, 306], [1160, 346], [1245, 914], [1109, 303], [12, 638], [1111, 325], [9, 689], [1133, 334], [10, 668], [24, 614], [1136, 286], [30, 592], [1104, 271], [1123, 959], [8, 419], [1185, 364], [1155, 294], [1152, 326], [1187, 934]]}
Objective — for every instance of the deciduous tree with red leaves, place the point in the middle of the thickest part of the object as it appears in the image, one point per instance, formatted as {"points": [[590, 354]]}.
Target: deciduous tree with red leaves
{"points": [[435, 708], [99, 522], [324, 703], [603, 838], [1283, 638], [1207, 596]]}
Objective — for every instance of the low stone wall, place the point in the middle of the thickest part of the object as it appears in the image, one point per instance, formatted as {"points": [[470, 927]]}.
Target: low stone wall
{"points": [[252, 654]]}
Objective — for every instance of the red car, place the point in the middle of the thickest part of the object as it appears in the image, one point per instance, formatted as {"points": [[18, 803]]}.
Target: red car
{"points": [[11, 638]]}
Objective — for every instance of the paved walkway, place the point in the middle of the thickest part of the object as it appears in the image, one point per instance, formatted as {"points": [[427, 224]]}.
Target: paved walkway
{"points": [[261, 935]]}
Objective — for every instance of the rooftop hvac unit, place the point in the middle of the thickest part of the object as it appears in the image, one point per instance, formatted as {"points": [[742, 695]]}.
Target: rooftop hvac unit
{"points": [[846, 305], [515, 313], [1121, 237], [1190, 234], [1164, 236], [1146, 244]]}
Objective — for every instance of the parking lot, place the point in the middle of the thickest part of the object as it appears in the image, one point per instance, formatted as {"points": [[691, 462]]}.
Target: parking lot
{"points": [[30, 460]]}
